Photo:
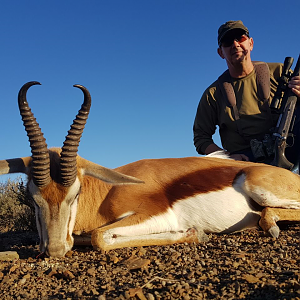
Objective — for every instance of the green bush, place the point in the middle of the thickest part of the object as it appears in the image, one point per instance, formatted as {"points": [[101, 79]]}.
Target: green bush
{"points": [[16, 208]]}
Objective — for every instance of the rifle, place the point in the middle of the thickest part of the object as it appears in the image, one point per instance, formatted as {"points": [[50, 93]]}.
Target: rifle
{"points": [[286, 109]]}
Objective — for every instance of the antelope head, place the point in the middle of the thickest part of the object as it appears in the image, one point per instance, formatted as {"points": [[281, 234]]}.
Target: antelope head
{"points": [[55, 175]]}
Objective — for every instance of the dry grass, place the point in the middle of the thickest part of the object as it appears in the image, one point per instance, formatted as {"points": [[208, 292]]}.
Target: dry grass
{"points": [[16, 209]]}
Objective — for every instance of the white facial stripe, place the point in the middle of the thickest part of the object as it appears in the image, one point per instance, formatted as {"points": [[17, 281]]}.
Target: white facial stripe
{"points": [[56, 229], [41, 228], [73, 216], [67, 214], [73, 190]]}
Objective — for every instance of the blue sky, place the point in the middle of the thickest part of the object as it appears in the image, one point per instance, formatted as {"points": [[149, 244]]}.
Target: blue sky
{"points": [[145, 63]]}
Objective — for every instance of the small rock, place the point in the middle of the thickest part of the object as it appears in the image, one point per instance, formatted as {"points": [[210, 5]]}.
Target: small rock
{"points": [[136, 263], [22, 281], [150, 296], [91, 272], [51, 272], [94, 292], [8, 255], [13, 268], [30, 260], [250, 278], [68, 275]]}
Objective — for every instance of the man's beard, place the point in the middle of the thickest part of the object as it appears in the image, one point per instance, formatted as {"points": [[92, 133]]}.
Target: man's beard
{"points": [[240, 59]]}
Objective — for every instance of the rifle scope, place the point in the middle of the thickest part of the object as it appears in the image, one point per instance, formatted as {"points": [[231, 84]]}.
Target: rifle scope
{"points": [[282, 83]]}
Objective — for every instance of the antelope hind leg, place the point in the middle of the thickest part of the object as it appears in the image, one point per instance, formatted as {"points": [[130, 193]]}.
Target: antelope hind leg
{"points": [[271, 186], [270, 216]]}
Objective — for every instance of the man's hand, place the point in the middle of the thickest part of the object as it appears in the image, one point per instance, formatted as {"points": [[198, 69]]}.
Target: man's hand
{"points": [[239, 157], [213, 147], [294, 84]]}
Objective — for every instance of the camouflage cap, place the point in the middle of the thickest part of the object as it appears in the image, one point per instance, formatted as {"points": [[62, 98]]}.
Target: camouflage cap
{"points": [[230, 25]]}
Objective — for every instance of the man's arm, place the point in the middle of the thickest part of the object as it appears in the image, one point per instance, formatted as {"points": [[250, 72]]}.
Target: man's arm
{"points": [[205, 126], [212, 148]]}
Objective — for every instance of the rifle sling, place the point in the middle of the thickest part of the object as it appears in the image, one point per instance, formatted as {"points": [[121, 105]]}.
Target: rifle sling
{"points": [[263, 86]]}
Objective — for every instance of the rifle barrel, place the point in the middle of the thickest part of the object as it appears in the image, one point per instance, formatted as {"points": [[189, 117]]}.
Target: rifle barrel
{"points": [[284, 123], [297, 68]]}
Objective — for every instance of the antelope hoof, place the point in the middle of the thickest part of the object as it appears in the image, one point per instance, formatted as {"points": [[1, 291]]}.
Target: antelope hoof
{"points": [[274, 231], [200, 235], [99, 249], [97, 241], [96, 248], [203, 237]]}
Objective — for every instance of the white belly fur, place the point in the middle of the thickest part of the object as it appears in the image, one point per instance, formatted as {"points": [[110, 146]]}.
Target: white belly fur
{"points": [[220, 211]]}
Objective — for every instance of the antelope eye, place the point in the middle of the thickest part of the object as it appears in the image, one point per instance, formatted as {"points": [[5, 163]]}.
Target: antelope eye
{"points": [[77, 195]]}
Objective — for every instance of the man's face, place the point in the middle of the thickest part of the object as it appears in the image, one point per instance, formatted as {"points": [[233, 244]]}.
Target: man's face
{"points": [[235, 47]]}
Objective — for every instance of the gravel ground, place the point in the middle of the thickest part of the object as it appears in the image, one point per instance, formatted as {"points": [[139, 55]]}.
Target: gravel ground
{"points": [[247, 265]]}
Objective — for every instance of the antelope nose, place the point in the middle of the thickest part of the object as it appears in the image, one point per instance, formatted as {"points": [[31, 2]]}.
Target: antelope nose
{"points": [[56, 250]]}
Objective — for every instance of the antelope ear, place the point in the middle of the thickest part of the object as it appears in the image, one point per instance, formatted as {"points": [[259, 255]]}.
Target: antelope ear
{"points": [[107, 175], [15, 165]]}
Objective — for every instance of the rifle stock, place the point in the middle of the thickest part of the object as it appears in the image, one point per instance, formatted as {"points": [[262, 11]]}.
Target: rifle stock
{"points": [[283, 128]]}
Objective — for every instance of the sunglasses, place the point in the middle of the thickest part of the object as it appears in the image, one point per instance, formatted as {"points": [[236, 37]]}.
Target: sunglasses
{"points": [[229, 41]]}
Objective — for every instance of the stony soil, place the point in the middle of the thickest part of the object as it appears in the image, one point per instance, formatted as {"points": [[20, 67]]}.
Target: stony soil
{"points": [[246, 265]]}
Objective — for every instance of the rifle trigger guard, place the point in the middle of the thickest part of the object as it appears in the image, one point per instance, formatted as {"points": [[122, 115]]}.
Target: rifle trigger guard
{"points": [[290, 140]]}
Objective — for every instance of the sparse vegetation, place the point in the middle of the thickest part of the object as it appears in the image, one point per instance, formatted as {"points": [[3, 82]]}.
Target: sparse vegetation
{"points": [[16, 208]]}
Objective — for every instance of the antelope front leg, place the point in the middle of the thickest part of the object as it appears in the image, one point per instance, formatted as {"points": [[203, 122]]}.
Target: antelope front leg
{"points": [[106, 239], [270, 216]]}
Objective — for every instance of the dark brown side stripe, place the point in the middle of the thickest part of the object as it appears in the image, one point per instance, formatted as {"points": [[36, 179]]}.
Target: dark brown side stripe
{"points": [[200, 182]]}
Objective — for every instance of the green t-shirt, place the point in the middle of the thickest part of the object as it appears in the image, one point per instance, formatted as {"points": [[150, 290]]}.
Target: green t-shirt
{"points": [[214, 110]]}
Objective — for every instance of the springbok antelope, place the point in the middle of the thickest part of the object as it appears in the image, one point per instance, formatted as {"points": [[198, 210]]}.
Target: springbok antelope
{"points": [[157, 202]]}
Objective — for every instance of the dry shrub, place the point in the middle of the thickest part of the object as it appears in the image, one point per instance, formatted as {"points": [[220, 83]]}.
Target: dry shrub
{"points": [[16, 208]]}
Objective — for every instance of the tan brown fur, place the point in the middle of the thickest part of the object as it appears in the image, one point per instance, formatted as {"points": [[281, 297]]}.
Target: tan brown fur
{"points": [[282, 183], [165, 182], [168, 180], [54, 193], [90, 204]]}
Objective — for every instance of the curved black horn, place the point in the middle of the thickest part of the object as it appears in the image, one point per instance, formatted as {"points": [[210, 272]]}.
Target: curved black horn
{"points": [[68, 165], [40, 156]]}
